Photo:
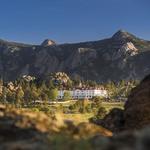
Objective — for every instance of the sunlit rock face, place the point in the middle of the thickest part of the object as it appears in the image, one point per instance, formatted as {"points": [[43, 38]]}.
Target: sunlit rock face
{"points": [[126, 50], [129, 49]]}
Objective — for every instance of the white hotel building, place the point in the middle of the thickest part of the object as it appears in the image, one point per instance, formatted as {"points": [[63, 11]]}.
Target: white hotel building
{"points": [[83, 93]]}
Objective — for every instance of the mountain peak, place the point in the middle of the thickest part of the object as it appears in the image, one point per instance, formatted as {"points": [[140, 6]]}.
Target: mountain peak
{"points": [[122, 34], [48, 42]]}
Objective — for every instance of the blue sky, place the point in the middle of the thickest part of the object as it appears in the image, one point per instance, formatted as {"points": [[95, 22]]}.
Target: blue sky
{"points": [[32, 21]]}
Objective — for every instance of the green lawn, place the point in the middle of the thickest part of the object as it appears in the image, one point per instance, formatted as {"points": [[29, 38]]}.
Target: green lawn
{"points": [[111, 105], [79, 117]]}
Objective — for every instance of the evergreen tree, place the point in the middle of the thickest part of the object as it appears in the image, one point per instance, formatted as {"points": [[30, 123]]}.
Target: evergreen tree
{"points": [[11, 97], [44, 98], [19, 97], [43, 87], [53, 93], [67, 96], [28, 95], [51, 85]]}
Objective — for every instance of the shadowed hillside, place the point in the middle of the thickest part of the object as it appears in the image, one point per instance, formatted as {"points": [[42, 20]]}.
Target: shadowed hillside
{"points": [[123, 56]]}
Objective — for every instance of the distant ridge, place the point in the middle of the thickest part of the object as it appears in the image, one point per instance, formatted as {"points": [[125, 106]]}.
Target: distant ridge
{"points": [[120, 57]]}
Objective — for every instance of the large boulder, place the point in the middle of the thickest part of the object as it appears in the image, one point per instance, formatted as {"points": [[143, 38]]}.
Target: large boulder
{"points": [[138, 140], [137, 108], [25, 130], [114, 121], [136, 113]]}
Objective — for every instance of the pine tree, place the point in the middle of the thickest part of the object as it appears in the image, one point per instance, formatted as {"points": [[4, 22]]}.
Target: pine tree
{"points": [[53, 94], [19, 97], [67, 96]]}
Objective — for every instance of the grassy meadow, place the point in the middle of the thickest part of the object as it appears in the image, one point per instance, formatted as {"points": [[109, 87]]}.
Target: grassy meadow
{"points": [[76, 116]]}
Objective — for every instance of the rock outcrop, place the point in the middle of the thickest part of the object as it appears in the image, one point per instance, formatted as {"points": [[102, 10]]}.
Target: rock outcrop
{"points": [[137, 108], [122, 35], [125, 51], [27, 130], [138, 140], [136, 113], [23, 129], [114, 121]]}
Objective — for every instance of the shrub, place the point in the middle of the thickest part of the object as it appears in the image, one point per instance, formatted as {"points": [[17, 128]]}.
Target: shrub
{"points": [[81, 106], [96, 102], [45, 109], [35, 109], [99, 115]]}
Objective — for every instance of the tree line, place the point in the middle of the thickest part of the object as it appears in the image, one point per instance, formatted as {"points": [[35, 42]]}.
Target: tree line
{"points": [[23, 92]]}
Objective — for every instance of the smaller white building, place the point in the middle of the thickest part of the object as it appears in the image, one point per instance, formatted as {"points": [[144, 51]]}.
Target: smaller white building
{"points": [[83, 93]]}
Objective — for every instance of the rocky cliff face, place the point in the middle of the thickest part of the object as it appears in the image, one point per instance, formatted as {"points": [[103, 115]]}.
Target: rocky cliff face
{"points": [[123, 56]]}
